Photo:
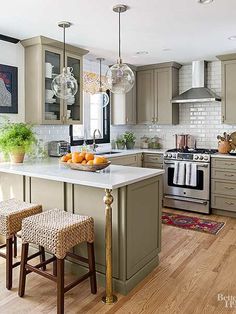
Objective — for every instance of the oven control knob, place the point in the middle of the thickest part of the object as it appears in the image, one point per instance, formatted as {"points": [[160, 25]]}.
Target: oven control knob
{"points": [[201, 157], [196, 157], [165, 155], [205, 158], [169, 155]]}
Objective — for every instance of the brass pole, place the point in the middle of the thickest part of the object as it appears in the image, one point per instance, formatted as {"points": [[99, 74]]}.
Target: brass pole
{"points": [[109, 298]]}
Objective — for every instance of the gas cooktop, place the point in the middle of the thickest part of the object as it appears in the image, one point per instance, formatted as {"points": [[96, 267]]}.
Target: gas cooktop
{"points": [[193, 151]]}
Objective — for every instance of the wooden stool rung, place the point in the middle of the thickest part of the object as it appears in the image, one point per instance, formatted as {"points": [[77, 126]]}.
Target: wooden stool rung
{"points": [[40, 272], [76, 282], [78, 257]]}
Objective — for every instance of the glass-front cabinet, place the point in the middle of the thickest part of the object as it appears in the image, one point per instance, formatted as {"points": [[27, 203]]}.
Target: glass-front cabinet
{"points": [[44, 61]]}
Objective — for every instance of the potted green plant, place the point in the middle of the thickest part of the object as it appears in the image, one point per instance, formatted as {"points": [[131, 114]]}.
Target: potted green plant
{"points": [[16, 139], [120, 142], [129, 139]]}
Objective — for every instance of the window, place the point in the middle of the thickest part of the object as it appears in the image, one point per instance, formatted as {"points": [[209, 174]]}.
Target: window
{"points": [[95, 117]]}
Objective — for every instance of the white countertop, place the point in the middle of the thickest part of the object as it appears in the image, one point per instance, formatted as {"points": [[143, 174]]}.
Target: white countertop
{"points": [[112, 177], [127, 152], [218, 155]]}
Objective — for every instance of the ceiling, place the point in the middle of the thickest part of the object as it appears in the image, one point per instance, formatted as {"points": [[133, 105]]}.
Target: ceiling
{"points": [[178, 30]]}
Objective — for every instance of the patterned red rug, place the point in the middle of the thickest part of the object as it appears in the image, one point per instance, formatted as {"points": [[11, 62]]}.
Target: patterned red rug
{"points": [[192, 223]]}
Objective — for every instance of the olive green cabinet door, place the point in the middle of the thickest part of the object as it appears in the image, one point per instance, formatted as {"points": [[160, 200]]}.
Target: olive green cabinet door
{"points": [[123, 107], [229, 92], [145, 97]]}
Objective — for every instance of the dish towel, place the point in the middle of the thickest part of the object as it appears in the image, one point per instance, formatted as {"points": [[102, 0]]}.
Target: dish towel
{"points": [[179, 173], [191, 174]]}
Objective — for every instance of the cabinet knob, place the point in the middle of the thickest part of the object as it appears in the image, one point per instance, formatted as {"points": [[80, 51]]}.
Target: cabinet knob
{"points": [[153, 119]]}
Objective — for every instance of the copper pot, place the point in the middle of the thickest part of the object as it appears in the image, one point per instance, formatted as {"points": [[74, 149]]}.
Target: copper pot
{"points": [[184, 141], [17, 157]]}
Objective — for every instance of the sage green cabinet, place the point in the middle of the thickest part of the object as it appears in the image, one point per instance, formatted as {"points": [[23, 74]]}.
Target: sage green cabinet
{"points": [[123, 107], [44, 61], [156, 86]]}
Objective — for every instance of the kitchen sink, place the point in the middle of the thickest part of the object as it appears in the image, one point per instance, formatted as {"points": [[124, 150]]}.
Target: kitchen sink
{"points": [[106, 153]]}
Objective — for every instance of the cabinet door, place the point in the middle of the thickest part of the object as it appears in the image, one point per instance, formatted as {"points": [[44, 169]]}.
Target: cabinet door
{"points": [[145, 97], [228, 92], [124, 107], [73, 106], [52, 106]]}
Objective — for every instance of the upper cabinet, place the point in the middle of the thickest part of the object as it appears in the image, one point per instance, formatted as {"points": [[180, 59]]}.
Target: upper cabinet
{"points": [[228, 97], [156, 86], [123, 107], [44, 61]]}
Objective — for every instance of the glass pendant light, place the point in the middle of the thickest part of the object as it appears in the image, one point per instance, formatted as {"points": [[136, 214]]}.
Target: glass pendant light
{"points": [[101, 94], [64, 85], [120, 77]]}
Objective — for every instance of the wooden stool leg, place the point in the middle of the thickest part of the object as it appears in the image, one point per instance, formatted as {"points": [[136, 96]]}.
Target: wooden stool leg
{"points": [[15, 246], [42, 256], [9, 262], [91, 260], [54, 268], [60, 286], [24, 255]]}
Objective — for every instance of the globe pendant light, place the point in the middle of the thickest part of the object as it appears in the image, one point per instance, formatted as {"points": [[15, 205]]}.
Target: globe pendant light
{"points": [[64, 85], [120, 77], [101, 94]]}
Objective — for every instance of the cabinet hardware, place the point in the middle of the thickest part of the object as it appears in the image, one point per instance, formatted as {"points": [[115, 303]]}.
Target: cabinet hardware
{"points": [[229, 203], [223, 119], [153, 120], [156, 119], [229, 188], [229, 164], [229, 175]]}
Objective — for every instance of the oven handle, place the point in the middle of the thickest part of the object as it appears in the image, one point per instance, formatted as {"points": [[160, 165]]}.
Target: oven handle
{"points": [[199, 165], [186, 199]]}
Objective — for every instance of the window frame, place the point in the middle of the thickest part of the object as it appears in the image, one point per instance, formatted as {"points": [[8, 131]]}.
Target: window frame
{"points": [[106, 128]]}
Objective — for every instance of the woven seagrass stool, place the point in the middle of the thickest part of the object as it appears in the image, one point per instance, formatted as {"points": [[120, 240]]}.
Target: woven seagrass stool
{"points": [[12, 212], [58, 232]]}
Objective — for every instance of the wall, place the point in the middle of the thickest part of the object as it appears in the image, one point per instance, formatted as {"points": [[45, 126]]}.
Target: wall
{"points": [[13, 54], [201, 120]]}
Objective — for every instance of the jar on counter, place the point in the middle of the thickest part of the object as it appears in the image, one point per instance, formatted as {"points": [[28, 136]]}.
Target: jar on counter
{"points": [[154, 144], [144, 142]]}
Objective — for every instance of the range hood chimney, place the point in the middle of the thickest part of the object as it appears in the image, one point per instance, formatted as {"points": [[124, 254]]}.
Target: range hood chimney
{"points": [[199, 92]]}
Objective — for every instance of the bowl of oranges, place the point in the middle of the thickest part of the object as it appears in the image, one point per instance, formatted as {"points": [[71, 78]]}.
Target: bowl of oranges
{"points": [[84, 161]]}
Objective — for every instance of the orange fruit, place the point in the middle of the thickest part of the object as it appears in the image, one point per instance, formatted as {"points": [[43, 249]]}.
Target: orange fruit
{"points": [[64, 158], [69, 155], [84, 162], [89, 156], [69, 161], [90, 163], [99, 160], [82, 154], [76, 158]]}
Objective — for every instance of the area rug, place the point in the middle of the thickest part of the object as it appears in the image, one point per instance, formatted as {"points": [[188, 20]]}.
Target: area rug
{"points": [[192, 223]]}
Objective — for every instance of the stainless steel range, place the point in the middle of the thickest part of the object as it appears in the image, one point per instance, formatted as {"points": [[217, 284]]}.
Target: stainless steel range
{"points": [[187, 179]]}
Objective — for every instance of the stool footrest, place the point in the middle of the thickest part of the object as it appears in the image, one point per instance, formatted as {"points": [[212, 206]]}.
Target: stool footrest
{"points": [[77, 257], [31, 268], [76, 282]]}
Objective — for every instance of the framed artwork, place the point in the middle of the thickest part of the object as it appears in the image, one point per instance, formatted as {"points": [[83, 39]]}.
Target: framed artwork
{"points": [[8, 89]]}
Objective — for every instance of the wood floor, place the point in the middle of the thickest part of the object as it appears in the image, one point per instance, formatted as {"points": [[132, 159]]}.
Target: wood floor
{"points": [[194, 268]]}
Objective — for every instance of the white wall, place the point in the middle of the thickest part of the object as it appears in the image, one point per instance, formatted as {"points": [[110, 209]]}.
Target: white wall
{"points": [[13, 54]]}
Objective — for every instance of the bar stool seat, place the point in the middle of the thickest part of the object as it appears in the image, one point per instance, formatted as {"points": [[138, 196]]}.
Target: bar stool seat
{"points": [[12, 212], [58, 231]]}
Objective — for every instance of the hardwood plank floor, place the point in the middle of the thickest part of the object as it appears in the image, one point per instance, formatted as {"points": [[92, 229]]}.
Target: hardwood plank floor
{"points": [[194, 268]]}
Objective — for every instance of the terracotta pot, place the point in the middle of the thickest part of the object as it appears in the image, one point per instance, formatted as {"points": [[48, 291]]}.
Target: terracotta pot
{"points": [[17, 157], [224, 147]]}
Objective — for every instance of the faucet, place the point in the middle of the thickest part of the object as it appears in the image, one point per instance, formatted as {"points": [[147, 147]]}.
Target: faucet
{"points": [[94, 146]]}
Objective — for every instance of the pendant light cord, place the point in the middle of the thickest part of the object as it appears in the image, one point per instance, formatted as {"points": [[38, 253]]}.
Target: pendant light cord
{"points": [[100, 73], [119, 38], [64, 46]]}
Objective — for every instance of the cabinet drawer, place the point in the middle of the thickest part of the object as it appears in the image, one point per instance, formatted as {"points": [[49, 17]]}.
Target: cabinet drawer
{"points": [[223, 174], [157, 158], [124, 160], [223, 188], [224, 163], [152, 165], [223, 202]]}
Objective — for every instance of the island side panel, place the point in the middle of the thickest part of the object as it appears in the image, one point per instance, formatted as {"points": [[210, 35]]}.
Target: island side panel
{"points": [[89, 201], [144, 205], [11, 186]]}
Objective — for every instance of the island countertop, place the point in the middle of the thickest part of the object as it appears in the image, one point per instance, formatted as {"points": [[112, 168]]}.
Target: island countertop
{"points": [[112, 177]]}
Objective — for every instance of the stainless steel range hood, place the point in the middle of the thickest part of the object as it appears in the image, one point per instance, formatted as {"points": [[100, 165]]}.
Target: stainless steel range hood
{"points": [[199, 92]]}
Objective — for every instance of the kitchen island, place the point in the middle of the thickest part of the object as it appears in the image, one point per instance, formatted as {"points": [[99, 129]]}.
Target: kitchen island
{"points": [[135, 196]]}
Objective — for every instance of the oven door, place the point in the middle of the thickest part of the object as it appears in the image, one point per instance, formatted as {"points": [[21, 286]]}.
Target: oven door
{"points": [[201, 191]]}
